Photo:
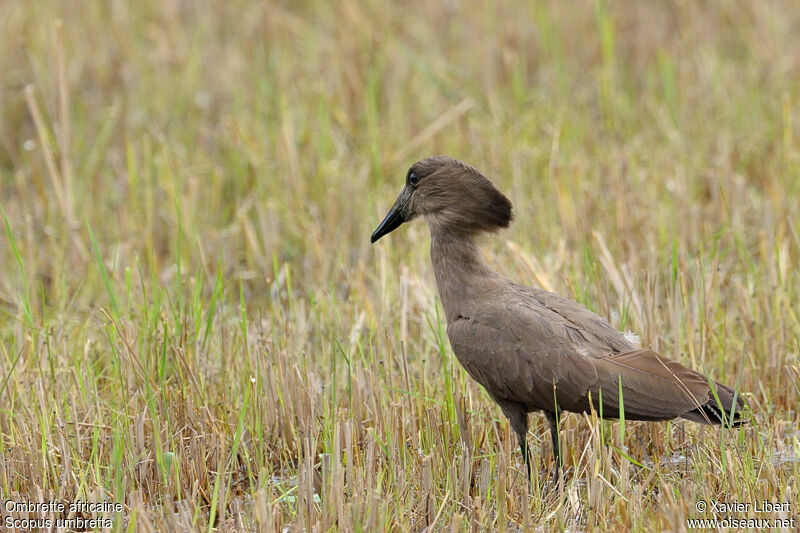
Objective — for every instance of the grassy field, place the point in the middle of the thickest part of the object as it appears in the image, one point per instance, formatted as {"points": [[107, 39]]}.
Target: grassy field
{"points": [[194, 324]]}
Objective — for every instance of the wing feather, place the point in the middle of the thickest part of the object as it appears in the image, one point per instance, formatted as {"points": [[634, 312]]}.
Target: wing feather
{"points": [[537, 348]]}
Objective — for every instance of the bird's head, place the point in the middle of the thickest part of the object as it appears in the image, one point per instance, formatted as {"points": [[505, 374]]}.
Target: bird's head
{"points": [[451, 195]]}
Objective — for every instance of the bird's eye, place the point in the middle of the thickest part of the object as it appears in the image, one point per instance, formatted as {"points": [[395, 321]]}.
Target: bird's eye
{"points": [[413, 179]]}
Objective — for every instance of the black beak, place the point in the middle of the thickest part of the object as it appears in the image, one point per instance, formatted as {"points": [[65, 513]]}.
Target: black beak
{"points": [[394, 218]]}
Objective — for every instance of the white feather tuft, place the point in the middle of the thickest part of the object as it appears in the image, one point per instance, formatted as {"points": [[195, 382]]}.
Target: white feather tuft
{"points": [[632, 338]]}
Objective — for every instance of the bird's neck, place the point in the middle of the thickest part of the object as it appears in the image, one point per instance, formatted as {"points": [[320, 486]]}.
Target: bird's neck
{"points": [[459, 269]]}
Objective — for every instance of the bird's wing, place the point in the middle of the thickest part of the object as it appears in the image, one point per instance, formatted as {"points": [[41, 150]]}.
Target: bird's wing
{"points": [[522, 350], [587, 328], [519, 355], [651, 386]]}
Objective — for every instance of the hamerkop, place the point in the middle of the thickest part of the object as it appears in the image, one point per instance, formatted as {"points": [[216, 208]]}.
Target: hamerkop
{"points": [[529, 348]]}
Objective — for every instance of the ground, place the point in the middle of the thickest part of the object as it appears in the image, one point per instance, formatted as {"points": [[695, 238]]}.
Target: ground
{"points": [[194, 325]]}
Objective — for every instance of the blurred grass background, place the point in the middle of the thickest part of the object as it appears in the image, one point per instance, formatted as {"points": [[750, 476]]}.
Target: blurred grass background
{"points": [[193, 322]]}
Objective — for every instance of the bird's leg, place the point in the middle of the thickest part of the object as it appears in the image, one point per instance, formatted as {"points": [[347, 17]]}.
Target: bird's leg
{"points": [[526, 454], [552, 417], [518, 417]]}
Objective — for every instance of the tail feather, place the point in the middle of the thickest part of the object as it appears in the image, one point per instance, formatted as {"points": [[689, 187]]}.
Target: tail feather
{"points": [[720, 413]]}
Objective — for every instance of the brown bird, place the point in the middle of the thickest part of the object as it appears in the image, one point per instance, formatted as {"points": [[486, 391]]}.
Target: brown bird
{"points": [[532, 349]]}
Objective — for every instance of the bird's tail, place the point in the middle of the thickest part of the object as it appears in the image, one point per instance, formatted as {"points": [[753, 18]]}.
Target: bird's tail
{"points": [[728, 410]]}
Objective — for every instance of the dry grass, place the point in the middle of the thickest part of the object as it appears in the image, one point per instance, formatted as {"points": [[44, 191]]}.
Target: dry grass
{"points": [[193, 322]]}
